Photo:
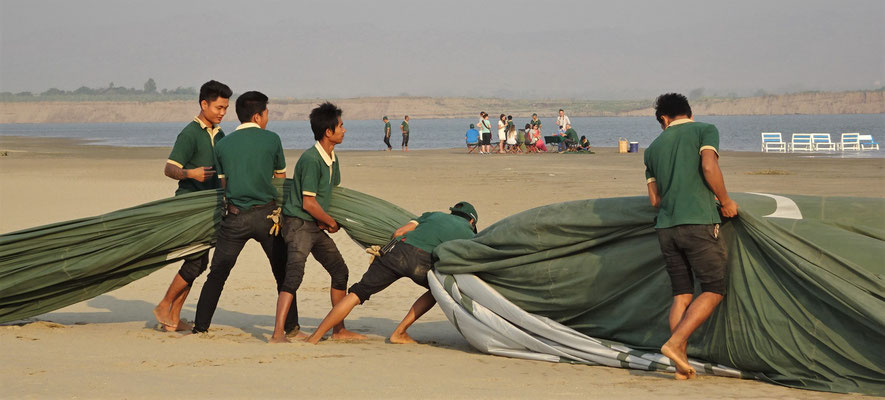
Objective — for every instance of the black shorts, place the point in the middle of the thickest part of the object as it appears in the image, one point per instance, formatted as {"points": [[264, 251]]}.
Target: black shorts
{"points": [[405, 139], [486, 138], [403, 260], [694, 251]]}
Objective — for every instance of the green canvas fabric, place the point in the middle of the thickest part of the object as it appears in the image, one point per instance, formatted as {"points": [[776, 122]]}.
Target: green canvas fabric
{"points": [[804, 308], [805, 304]]}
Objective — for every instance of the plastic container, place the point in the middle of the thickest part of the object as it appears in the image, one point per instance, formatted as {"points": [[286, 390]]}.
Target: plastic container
{"points": [[634, 147], [623, 145]]}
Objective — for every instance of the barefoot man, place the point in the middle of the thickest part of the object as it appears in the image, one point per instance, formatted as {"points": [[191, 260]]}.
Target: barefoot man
{"points": [[192, 164], [305, 218], [407, 255], [683, 176]]}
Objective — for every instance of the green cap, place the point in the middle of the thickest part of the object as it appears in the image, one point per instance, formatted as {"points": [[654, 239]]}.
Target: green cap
{"points": [[385, 117], [466, 210], [471, 126]]}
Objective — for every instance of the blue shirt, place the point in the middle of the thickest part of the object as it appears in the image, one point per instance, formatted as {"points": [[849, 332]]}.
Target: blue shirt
{"points": [[472, 136]]}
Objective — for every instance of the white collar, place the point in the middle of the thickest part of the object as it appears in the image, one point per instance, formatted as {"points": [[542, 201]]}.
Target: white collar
{"points": [[680, 122], [327, 158], [248, 125]]}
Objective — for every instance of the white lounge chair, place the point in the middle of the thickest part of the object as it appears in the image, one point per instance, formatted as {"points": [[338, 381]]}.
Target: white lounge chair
{"points": [[772, 141], [850, 141], [822, 142], [867, 142], [801, 142]]}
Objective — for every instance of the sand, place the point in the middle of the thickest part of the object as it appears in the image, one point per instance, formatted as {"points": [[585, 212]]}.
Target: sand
{"points": [[108, 347]]}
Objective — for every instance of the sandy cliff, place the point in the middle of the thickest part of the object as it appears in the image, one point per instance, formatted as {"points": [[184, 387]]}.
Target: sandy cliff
{"points": [[861, 102]]}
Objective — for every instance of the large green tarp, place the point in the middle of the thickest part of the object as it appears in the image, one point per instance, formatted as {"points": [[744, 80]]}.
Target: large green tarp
{"points": [[52, 266], [804, 308]]}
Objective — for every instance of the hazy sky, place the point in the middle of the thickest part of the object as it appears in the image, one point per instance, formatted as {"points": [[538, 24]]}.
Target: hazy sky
{"points": [[526, 49]]}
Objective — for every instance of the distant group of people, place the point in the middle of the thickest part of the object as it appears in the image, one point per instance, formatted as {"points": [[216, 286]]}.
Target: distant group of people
{"points": [[527, 140], [404, 128], [289, 225]]}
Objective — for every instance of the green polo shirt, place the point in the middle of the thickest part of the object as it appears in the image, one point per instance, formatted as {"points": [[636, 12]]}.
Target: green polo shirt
{"points": [[673, 161], [316, 173], [195, 147], [571, 134], [247, 160], [386, 128], [435, 228], [405, 126], [535, 123]]}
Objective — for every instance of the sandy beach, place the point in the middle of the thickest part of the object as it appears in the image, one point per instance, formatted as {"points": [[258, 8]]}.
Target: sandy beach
{"points": [[109, 347]]}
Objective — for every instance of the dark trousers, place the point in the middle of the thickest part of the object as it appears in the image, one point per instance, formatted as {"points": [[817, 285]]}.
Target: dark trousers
{"points": [[304, 238], [234, 232], [387, 141], [192, 268], [405, 139]]}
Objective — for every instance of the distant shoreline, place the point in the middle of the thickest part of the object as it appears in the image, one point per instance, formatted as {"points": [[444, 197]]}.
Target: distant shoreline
{"points": [[368, 108]]}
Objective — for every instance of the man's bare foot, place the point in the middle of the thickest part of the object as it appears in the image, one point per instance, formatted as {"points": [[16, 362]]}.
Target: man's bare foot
{"points": [[182, 326], [401, 339], [163, 317], [279, 339], [345, 334], [297, 334], [680, 359]]}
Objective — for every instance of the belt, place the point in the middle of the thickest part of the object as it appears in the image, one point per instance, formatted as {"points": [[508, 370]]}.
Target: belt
{"points": [[234, 210]]}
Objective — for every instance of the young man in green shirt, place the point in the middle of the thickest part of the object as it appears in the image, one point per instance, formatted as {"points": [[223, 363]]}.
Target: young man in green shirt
{"points": [[387, 133], [684, 181], [409, 254], [247, 161], [305, 218], [192, 164], [405, 128]]}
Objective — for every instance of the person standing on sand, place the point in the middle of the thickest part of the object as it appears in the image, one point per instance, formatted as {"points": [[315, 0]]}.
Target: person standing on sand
{"points": [[562, 120], [192, 164], [387, 133], [305, 218], [502, 132], [485, 129], [684, 181], [405, 128], [407, 255], [247, 161]]}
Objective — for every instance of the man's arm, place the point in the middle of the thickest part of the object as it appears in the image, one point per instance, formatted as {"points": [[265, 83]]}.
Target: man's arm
{"points": [[410, 226], [653, 196], [199, 174], [713, 176], [310, 204]]}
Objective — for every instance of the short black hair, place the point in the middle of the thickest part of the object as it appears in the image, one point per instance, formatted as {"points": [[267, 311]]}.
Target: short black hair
{"points": [[324, 116], [671, 105], [509, 117], [527, 126], [249, 104], [561, 110], [212, 90]]}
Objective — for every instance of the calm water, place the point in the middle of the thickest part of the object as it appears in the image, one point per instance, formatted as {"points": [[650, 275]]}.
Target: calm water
{"points": [[739, 133]]}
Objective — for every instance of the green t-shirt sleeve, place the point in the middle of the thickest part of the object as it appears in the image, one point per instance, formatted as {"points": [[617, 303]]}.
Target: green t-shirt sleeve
{"points": [[710, 138], [183, 150], [219, 167], [310, 178], [279, 164], [648, 173]]}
